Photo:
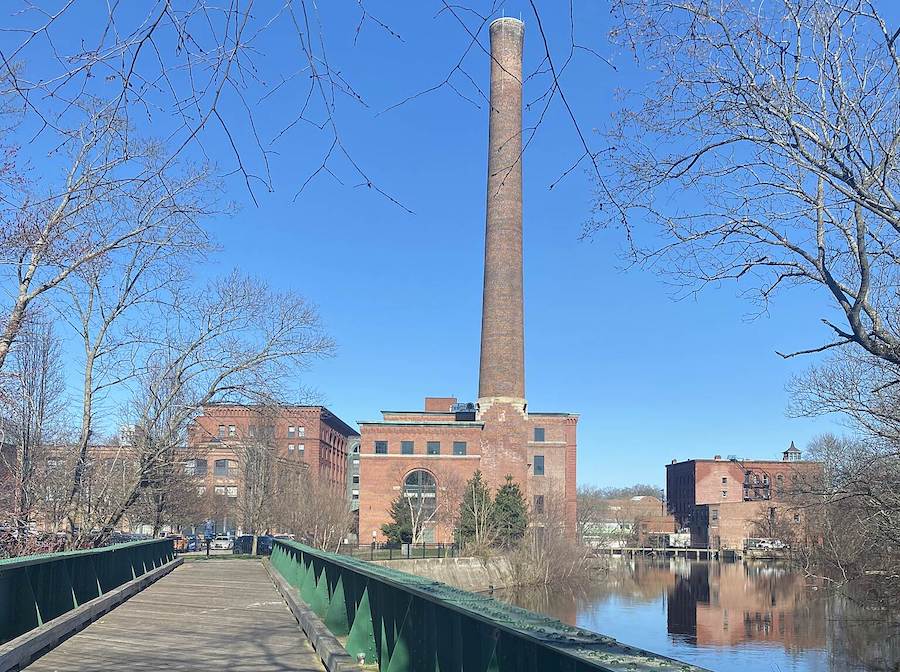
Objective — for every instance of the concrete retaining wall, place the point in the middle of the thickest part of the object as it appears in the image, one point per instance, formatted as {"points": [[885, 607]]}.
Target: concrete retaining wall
{"points": [[472, 574]]}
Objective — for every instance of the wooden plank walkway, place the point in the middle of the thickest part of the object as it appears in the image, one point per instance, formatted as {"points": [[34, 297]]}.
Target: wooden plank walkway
{"points": [[207, 615]]}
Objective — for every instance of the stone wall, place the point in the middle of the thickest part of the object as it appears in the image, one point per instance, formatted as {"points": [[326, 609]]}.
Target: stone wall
{"points": [[472, 574]]}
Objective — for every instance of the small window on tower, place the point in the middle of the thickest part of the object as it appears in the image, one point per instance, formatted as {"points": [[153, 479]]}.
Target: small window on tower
{"points": [[381, 447], [538, 465], [539, 434], [433, 447], [724, 480], [538, 503], [459, 447], [407, 447]]}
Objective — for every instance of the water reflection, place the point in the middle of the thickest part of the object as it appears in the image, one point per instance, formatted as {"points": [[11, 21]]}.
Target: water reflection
{"points": [[727, 616]]}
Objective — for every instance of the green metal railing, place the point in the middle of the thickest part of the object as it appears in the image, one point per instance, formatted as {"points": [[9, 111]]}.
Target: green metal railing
{"points": [[405, 623], [35, 589]]}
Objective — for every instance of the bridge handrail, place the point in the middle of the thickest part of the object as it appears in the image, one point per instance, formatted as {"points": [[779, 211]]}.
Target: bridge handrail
{"points": [[35, 589], [446, 621]]}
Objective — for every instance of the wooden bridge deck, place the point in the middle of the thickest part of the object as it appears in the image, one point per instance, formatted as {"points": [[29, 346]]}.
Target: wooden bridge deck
{"points": [[222, 615]]}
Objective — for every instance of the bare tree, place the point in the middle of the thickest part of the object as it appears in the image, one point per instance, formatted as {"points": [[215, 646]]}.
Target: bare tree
{"points": [[130, 100], [765, 150], [315, 510], [33, 401], [235, 341], [111, 302]]}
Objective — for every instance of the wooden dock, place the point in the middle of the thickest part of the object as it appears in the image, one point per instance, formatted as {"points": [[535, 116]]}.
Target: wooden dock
{"points": [[672, 552], [206, 615]]}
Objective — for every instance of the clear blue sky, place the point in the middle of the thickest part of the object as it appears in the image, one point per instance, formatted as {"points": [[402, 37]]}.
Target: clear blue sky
{"points": [[652, 378]]}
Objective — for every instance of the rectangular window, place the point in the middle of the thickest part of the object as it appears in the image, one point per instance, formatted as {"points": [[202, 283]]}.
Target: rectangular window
{"points": [[292, 431], [433, 448], [221, 431], [407, 447], [220, 490], [301, 431], [356, 478], [356, 494], [724, 480], [796, 517], [232, 491], [302, 448], [381, 447], [539, 434], [538, 465], [355, 460], [538, 503], [231, 430], [714, 514], [290, 447], [724, 494], [459, 447]]}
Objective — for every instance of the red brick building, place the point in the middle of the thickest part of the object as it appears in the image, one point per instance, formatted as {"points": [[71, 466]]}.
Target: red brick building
{"points": [[430, 453], [312, 436], [722, 500]]}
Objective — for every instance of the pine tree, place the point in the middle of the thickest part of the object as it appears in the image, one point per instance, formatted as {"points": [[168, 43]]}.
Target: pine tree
{"points": [[476, 520], [510, 513], [399, 531]]}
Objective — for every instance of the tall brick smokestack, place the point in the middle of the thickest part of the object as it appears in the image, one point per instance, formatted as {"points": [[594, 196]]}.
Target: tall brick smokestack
{"points": [[502, 326]]}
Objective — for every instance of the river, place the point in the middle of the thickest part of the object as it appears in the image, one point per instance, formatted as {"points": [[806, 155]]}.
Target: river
{"points": [[732, 617]]}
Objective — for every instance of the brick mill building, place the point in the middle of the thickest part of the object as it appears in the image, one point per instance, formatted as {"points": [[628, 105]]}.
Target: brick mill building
{"points": [[721, 501], [430, 453], [311, 436]]}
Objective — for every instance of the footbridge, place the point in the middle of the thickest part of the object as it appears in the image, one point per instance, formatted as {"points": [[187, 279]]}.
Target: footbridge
{"points": [[139, 607]]}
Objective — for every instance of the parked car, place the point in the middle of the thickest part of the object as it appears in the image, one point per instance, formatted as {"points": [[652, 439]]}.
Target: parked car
{"points": [[221, 543], [244, 544]]}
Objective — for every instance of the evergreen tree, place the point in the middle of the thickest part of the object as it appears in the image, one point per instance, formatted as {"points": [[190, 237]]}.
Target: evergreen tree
{"points": [[399, 530], [476, 519], [510, 513]]}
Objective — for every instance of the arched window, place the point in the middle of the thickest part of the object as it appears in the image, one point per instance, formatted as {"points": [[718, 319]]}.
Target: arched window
{"points": [[421, 489]]}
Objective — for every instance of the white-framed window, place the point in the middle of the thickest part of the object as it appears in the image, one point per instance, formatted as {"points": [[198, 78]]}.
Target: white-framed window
{"points": [[232, 491], [292, 431], [232, 431], [290, 447], [301, 431], [220, 490], [302, 447]]}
